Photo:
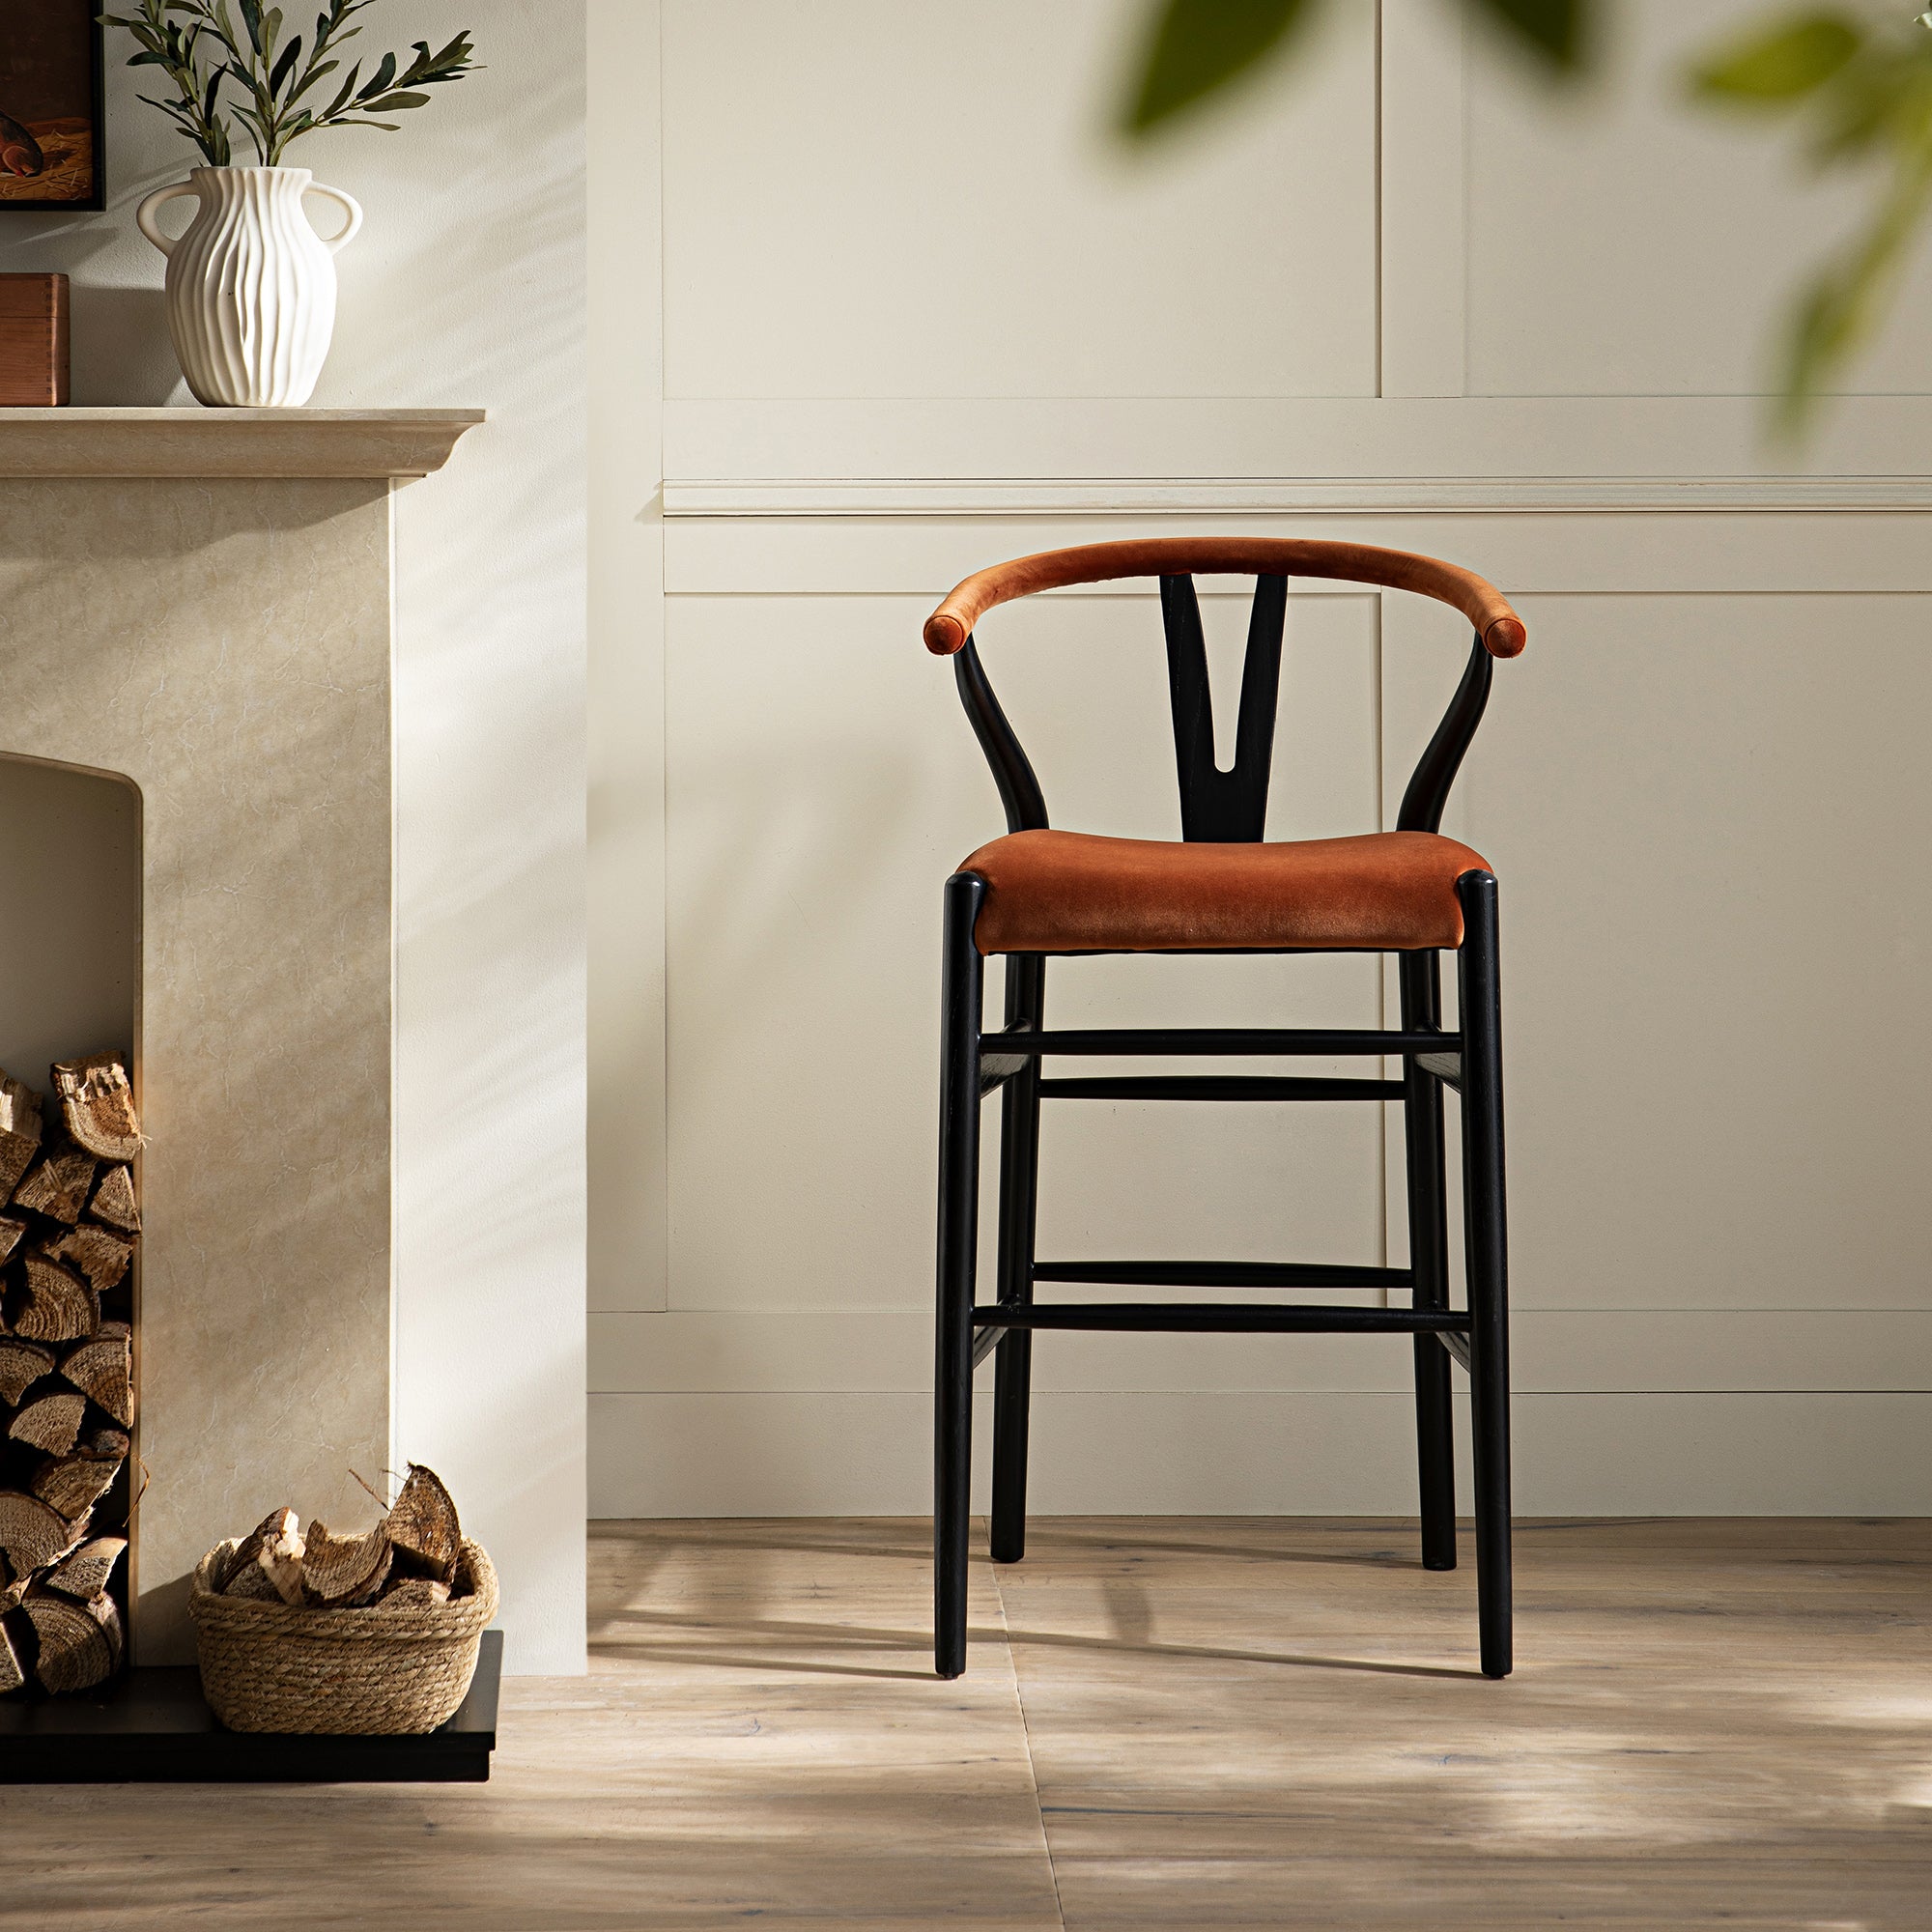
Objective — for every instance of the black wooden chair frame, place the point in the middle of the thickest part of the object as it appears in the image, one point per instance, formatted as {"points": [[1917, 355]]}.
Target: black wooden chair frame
{"points": [[975, 1064]]}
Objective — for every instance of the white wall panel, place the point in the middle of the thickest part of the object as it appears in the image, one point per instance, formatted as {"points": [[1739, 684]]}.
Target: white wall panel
{"points": [[1622, 241], [1707, 814], [872, 199]]}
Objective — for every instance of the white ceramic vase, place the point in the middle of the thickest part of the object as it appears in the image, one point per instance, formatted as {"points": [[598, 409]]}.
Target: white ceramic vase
{"points": [[251, 285]]}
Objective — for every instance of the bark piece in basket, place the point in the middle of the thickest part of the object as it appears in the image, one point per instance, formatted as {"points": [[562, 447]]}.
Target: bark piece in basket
{"points": [[345, 1572], [413, 1593], [269, 1564], [423, 1527]]}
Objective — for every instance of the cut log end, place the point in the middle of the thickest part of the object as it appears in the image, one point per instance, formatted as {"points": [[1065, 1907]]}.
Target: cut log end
{"points": [[35, 1534], [423, 1527], [11, 1676], [102, 1369], [80, 1644], [22, 1366], [74, 1484], [114, 1203], [97, 1105], [57, 1184], [85, 1574], [50, 1425], [99, 1254], [56, 1305]]}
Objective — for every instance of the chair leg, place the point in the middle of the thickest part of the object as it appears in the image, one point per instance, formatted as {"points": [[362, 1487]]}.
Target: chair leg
{"points": [[1019, 1195], [1420, 982], [1486, 1247], [961, 983]]}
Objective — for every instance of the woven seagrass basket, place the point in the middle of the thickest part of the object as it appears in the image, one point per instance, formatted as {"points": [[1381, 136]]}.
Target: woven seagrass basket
{"points": [[339, 1673]]}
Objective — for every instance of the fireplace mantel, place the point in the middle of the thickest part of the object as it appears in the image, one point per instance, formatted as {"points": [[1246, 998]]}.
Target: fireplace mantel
{"points": [[396, 443], [199, 603]]}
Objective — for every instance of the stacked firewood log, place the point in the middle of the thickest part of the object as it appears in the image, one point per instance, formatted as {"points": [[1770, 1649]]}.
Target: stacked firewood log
{"points": [[68, 1229], [408, 1560]]}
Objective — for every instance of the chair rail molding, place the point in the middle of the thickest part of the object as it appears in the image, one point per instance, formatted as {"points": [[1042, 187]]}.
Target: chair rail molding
{"points": [[1085, 497]]}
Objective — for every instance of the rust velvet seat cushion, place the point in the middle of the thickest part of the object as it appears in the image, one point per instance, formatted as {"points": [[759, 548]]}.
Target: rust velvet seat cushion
{"points": [[1072, 892]]}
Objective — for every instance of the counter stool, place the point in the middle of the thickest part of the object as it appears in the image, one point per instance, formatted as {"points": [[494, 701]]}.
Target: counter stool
{"points": [[1039, 892]]}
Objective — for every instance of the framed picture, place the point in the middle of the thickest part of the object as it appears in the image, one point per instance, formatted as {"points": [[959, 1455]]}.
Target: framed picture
{"points": [[52, 81]]}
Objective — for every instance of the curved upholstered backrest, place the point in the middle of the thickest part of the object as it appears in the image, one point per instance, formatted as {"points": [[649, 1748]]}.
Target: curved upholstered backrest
{"points": [[1498, 626]]}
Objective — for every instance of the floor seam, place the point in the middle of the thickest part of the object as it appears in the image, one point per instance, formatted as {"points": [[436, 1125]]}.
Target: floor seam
{"points": [[1026, 1743]]}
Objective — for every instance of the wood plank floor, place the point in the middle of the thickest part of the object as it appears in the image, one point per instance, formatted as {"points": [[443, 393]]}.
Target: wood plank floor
{"points": [[1170, 1723]]}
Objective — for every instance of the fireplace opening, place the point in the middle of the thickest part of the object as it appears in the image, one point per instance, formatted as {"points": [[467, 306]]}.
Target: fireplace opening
{"points": [[70, 971]]}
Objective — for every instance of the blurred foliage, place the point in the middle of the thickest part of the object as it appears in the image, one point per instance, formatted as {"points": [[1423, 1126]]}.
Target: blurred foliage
{"points": [[1860, 88], [1861, 95]]}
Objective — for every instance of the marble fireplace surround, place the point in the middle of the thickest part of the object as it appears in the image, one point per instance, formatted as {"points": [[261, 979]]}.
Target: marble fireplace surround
{"points": [[200, 603]]}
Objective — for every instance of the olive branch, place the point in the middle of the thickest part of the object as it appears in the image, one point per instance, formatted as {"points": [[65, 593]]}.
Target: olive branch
{"points": [[279, 78]]}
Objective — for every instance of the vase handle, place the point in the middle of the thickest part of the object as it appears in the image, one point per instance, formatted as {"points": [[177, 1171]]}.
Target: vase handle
{"points": [[144, 215], [350, 207]]}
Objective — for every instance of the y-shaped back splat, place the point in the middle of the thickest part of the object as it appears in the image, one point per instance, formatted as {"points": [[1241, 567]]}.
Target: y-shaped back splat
{"points": [[1216, 806], [1223, 806]]}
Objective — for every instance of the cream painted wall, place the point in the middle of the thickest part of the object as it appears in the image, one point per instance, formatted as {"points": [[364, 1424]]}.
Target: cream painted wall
{"points": [[916, 316], [466, 288]]}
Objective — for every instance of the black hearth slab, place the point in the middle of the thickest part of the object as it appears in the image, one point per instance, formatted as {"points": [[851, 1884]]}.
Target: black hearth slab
{"points": [[154, 1727]]}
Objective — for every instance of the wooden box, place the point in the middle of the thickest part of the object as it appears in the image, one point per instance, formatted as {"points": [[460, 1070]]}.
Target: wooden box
{"points": [[33, 341]]}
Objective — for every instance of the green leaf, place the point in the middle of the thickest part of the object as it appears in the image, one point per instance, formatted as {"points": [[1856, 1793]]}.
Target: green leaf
{"points": [[383, 76], [310, 76], [1196, 48], [1556, 29], [341, 100], [390, 103], [286, 65], [1784, 64]]}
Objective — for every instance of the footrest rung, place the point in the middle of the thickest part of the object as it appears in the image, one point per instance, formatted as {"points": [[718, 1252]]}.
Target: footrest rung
{"points": [[1219, 1087], [1218, 1318], [1221, 1275]]}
